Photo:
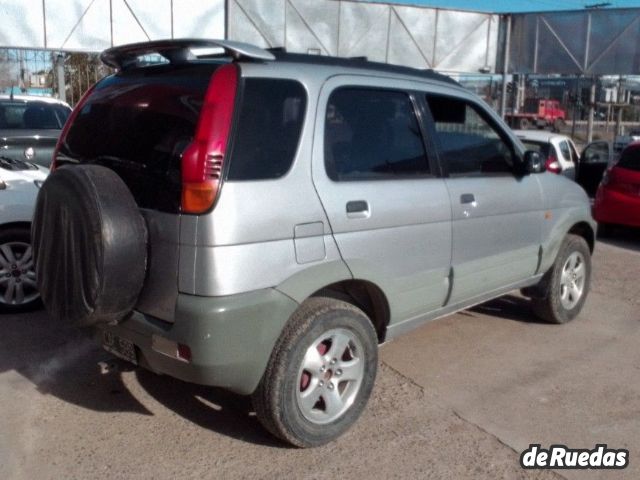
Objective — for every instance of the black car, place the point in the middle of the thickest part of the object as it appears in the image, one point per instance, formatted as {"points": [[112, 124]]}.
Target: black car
{"points": [[30, 127]]}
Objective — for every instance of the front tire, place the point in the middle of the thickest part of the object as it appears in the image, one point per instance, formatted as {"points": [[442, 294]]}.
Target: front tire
{"points": [[320, 374], [564, 288]]}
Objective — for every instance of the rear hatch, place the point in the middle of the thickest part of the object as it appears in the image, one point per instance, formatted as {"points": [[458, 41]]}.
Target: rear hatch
{"points": [[139, 123]]}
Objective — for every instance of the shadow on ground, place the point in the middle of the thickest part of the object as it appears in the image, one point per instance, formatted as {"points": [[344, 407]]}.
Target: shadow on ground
{"points": [[509, 307], [622, 237], [69, 364]]}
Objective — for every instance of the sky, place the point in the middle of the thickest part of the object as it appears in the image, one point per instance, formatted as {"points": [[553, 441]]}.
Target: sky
{"points": [[499, 6]]}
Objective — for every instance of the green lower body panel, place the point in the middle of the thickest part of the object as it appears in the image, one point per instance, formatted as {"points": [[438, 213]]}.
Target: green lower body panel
{"points": [[230, 338]]}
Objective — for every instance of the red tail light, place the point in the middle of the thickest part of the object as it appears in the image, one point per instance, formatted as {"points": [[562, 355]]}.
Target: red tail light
{"points": [[552, 165], [203, 159], [68, 123]]}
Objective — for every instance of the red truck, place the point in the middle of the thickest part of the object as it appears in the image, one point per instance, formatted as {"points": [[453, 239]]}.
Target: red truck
{"points": [[537, 112]]}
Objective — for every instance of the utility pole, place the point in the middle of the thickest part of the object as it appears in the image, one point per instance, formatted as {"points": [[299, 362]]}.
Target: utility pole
{"points": [[62, 89], [505, 68], [592, 102]]}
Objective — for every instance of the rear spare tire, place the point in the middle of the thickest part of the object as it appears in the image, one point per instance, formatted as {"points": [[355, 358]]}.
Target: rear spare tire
{"points": [[90, 245]]}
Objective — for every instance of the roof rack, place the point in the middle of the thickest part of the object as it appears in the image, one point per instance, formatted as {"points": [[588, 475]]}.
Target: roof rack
{"points": [[359, 62], [179, 51]]}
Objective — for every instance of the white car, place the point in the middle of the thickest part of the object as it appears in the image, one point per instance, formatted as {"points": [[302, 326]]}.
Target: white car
{"points": [[19, 184], [559, 151]]}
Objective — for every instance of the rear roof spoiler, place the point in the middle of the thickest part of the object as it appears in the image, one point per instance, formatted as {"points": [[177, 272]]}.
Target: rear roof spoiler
{"points": [[179, 51]]}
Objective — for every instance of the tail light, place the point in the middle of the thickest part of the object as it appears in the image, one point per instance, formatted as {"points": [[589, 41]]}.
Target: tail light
{"points": [[203, 159], [68, 123], [552, 165]]}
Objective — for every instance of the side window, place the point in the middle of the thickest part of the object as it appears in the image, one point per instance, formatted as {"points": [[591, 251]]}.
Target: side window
{"points": [[565, 150], [469, 144], [596, 153], [372, 134], [268, 129]]}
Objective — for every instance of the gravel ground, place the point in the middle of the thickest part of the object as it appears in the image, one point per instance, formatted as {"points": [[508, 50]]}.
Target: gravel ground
{"points": [[458, 398]]}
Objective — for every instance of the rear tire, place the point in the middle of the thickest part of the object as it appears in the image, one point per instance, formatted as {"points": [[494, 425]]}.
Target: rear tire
{"points": [[564, 288], [320, 374], [18, 288]]}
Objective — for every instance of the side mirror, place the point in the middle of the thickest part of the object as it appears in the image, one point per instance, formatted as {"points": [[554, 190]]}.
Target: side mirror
{"points": [[533, 162]]}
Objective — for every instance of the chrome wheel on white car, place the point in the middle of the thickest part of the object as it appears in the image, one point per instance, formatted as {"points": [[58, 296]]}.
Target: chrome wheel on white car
{"points": [[18, 288]]}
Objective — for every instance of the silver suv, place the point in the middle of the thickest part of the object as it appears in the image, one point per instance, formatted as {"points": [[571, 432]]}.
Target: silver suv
{"points": [[261, 221]]}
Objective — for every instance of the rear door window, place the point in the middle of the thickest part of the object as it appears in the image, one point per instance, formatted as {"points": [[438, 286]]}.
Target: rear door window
{"points": [[565, 150], [268, 129], [373, 134], [138, 124]]}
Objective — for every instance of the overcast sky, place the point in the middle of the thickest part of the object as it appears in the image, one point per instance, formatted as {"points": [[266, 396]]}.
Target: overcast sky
{"points": [[515, 5]]}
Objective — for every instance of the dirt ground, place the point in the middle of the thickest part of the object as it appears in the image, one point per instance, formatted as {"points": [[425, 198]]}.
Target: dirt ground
{"points": [[458, 398]]}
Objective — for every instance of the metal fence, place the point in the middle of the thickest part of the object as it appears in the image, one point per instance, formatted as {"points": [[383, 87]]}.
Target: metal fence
{"points": [[447, 40]]}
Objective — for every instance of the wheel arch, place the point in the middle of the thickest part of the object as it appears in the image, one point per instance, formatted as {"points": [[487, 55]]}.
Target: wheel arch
{"points": [[10, 225], [365, 295], [584, 230]]}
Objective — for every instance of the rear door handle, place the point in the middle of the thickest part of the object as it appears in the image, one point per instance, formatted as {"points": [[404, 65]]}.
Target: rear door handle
{"points": [[467, 198], [358, 209]]}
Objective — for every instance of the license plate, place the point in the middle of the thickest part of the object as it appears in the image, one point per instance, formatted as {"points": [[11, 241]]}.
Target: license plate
{"points": [[120, 347]]}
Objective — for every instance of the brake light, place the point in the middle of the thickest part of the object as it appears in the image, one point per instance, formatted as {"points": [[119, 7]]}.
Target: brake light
{"points": [[203, 159], [552, 165], [68, 123]]}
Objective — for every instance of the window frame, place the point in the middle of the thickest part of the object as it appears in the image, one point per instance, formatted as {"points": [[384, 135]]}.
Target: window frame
{"points": [[418, 111], [430, 125]]}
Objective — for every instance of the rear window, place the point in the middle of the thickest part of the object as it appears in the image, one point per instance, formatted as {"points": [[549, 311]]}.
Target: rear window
{"points": [[138, 124], [32, 115], [630, 159], [543, 148], [268, 129]]}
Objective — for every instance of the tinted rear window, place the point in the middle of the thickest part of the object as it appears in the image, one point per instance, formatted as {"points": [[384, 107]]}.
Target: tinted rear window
{"points": [[268, 129], [630, 159], [32, 115], [138, 124], [543, 148]]}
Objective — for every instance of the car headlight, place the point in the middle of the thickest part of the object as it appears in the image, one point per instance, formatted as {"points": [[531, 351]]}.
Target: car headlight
{"points": [[38, 183]]}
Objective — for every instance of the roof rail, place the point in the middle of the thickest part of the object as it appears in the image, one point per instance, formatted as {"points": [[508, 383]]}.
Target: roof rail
{"points": [[178, 51]]}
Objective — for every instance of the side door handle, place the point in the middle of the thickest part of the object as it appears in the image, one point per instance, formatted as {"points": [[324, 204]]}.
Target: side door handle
{"points": [[358, 209], [466, 198]]}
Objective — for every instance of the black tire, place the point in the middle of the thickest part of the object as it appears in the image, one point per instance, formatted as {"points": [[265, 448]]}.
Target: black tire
{"points": [[90, 244], [276, 400], [18, 288], [548, 304]]}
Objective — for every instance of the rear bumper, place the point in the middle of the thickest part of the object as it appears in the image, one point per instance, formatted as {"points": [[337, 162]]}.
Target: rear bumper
{"points": [[618, 208], [231, 338]]}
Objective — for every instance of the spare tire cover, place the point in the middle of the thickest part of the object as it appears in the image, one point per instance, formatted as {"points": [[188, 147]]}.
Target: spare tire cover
{"points": [[90, 245]]}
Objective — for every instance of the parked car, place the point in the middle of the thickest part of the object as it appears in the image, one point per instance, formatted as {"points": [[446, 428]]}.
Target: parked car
{"points": [[261, 221], [594, 161], [618, 198], [559, 151], [30, 127], [19, 184]]}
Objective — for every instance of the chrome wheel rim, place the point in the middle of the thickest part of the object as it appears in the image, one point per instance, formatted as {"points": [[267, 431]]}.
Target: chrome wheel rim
{"points": [[330, 376], [574, 274], [17, 274]]}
